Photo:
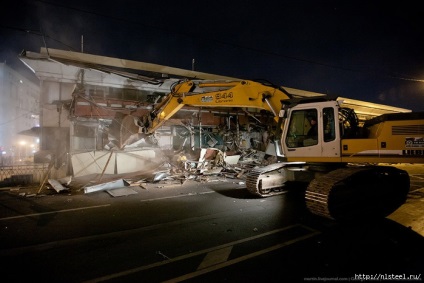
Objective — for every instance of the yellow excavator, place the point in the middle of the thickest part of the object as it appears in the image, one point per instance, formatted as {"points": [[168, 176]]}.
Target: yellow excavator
{"points": [[338, 159]]}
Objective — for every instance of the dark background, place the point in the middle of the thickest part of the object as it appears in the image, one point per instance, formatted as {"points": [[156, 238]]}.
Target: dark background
{"points": [[366, 50]]}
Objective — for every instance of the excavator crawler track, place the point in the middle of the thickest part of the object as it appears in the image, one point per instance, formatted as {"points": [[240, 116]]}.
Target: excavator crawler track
{"points": [[254, 181], [358, 192]]}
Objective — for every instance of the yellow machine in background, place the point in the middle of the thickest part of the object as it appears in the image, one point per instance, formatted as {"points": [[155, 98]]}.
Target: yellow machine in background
{"points": [[339, 162]]}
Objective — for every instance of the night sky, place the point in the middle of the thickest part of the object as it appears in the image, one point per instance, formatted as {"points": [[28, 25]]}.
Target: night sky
{"points": [[366, 50]]}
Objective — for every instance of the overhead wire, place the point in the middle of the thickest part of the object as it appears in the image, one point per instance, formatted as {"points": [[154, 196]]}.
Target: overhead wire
{"points": [[257, 50], [38, 33]]}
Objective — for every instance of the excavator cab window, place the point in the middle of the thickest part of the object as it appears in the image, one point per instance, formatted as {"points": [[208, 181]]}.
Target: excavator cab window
{"points": [[329, 124], [303, 129]]}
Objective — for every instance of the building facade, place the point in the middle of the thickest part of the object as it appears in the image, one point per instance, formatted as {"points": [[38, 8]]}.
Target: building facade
{"points": [[19, 113]]}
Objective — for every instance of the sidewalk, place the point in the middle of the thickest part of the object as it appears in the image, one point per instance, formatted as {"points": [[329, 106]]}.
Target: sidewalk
{"points": [[411, 213]]}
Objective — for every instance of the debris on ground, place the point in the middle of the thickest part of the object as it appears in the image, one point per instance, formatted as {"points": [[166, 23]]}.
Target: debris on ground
{"points": [[105, 186], [203, 165], [121, 192], [56, 185]]}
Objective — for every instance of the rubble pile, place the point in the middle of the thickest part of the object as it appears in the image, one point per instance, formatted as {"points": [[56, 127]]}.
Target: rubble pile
{"points": [[176, 167]]}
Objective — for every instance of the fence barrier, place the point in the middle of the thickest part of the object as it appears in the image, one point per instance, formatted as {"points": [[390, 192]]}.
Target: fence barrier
{"points": [[23, 174]]}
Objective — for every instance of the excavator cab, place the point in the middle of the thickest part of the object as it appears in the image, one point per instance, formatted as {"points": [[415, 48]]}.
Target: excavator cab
{"points": [[311, 130]]}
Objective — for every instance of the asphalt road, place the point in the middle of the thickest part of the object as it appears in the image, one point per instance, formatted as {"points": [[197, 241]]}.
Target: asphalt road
{"points": [[197, 232]]}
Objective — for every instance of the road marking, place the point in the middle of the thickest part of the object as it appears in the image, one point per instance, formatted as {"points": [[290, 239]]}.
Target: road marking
{"points": [[209, 250], [215, 257], [52, 212], [239, 259], [100, 237], [178, 196]]}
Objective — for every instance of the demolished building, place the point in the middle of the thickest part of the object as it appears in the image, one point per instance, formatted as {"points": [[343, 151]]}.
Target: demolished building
{"points": [[85, 101]]}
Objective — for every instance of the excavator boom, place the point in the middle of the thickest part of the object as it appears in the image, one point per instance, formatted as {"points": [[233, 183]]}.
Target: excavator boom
{"points": [[216, 94]]}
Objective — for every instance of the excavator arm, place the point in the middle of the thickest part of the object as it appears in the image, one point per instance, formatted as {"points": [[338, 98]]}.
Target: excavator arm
{"points": [[217, 94]]}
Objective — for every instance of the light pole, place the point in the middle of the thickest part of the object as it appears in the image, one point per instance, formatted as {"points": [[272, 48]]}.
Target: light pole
{"points": [[22, 150]]}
